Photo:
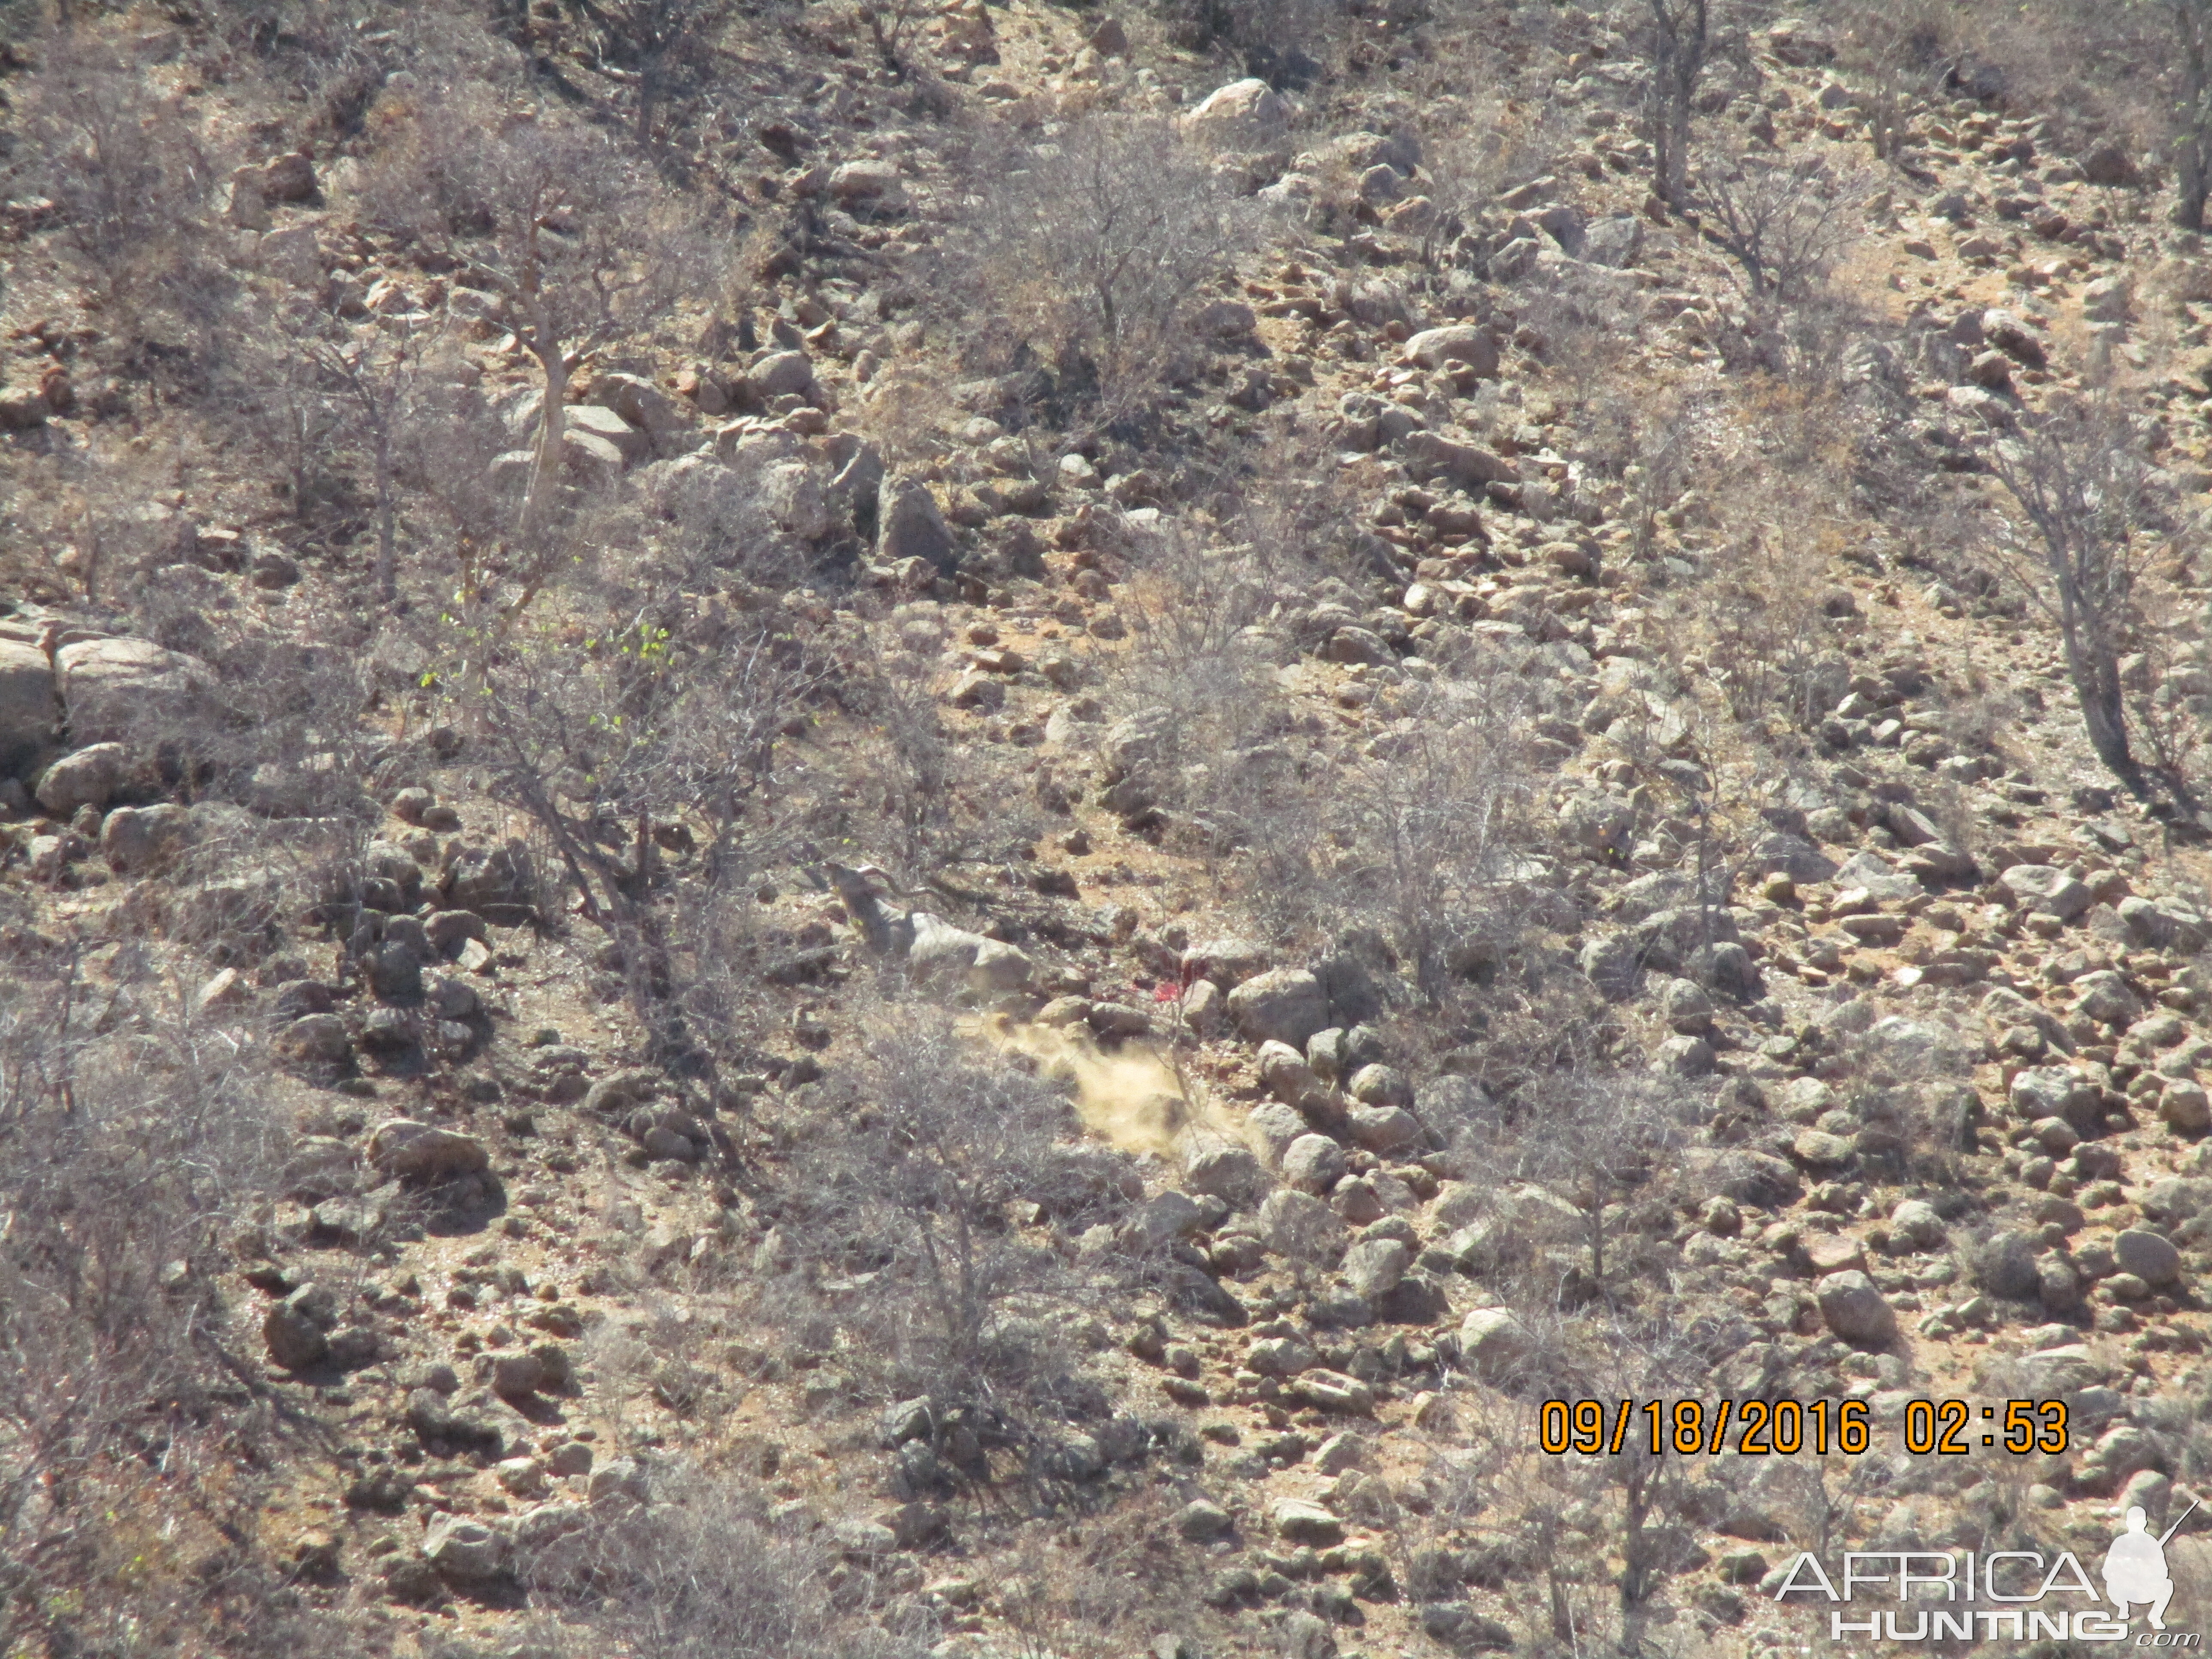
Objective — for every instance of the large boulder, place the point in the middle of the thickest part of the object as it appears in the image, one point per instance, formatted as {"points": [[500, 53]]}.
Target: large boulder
{"points": [[1457, 346], [2149, 1257], [112, 689], [423, 1151], [87, 777], [138, 840], [1493, 1341], [30, 712], [1855, 1308], [1241, 113], [911, 526], [1285, 1005], [466, 1550]]}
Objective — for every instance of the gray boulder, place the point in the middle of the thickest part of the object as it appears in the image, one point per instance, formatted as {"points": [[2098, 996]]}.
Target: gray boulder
{"points": [[111, 688], [87, 777], [1284, 1006], [911, 526], [1855, 1310], [30, 711]]}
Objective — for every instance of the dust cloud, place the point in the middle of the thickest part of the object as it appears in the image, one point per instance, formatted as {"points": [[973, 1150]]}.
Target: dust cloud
{"points": [[1133, 1098]]}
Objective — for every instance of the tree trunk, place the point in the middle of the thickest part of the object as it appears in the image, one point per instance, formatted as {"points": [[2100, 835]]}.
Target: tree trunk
{"points": [[2096, 678], [2193, 153], [387, 549], [546, 467]]}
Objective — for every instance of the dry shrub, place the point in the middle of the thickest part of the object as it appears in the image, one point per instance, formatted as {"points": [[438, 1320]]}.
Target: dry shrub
{"points": [[131, 182], [132, 1135], [703, 1573], [1093, 246], [911, 1229]]}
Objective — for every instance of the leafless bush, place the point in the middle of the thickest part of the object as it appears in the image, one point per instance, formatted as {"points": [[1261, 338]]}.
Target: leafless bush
{"points": [[549, 216], [915, 1222], [703, 1574], [1590, 1140], [1094, 245], [1784, 222], [2078, 549], [130, 1135], [129, 178]]}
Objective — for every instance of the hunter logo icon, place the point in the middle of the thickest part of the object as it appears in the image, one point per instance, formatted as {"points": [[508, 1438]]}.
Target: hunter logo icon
{"points": [[2134, 1567]]}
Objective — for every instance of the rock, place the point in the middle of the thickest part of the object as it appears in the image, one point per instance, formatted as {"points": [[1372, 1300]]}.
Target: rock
{"points": [[2147, 1256], [1109, 39], [1383, 1129], [869, 183], [2104, 996], [1304, 1635], [1242, 112], [86, 778], [1493, 1341], [1855, 1310], [1280, 1356], [30, 709], [911, 525], [2049, 1091], [139, 841], [2004, 1265], [783, 374], [421, 1151], [296, 1330], [1300, 1521], [316, 1039], [2186, 1108], [2109, 164], [1373, 1267], [491, 881], [620, 1480], [282, 178], [1916, 1224], [1616, 240], [1230, 1173], [395, 973], [1297, 1223], [1459, 1627], [1314, 1163], [517, 1375], [1465, 464], [1273, 1127], [466, 1550], [111, 688], [1459, 346], [1286, 1005]]}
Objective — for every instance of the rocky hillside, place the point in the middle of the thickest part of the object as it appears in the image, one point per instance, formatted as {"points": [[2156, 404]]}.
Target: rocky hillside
{"points": [[951, 829]]}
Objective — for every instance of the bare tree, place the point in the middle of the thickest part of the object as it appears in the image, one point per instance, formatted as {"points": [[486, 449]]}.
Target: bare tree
{"points": [[1679, 43], [936, 1145], [375, 372], [1783, 223], [131, 1133], [640, 746], [2077, 481], [652, 42], [1586, 1136], [2191, 109], [1095, 244], [547, 215]]}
